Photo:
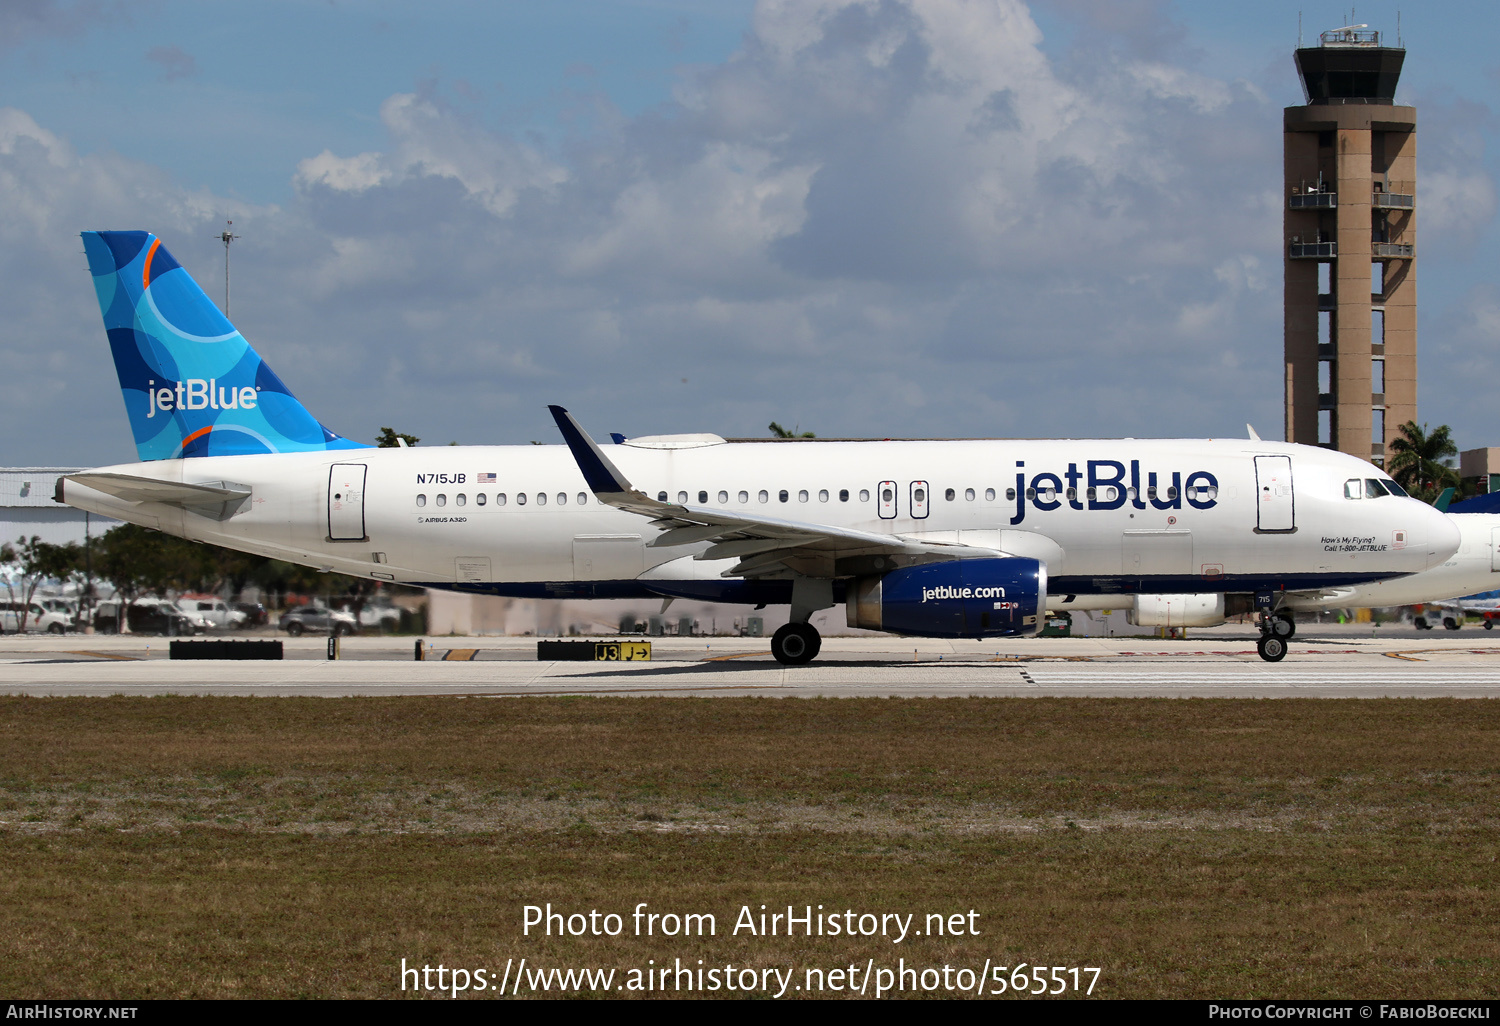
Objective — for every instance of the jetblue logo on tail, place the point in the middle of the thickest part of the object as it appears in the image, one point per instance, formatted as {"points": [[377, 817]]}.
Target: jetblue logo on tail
{"points": [[197, 394], [192, 385]]}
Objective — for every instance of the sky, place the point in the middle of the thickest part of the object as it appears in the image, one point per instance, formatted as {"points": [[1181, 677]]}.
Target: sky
{"points": [[863, 218]]}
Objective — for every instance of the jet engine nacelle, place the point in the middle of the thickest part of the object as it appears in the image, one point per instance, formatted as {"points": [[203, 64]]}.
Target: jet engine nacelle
{"points": [[1177, 610], [961, 598]]}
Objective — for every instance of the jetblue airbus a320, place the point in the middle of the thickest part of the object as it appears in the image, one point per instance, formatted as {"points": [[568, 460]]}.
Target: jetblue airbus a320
{"points": [[971, 538]]}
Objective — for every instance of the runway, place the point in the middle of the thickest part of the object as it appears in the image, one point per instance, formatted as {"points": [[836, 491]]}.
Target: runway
{"points": [[1330, 663]]}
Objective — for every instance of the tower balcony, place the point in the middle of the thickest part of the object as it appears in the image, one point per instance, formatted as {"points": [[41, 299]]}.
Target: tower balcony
{"points": [[1392, 251], [1313, 201], [1393, 201], [1299, 250]]}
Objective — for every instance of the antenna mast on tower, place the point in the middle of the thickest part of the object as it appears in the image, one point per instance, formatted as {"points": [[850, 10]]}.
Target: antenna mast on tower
{"points": [[227, 237]]}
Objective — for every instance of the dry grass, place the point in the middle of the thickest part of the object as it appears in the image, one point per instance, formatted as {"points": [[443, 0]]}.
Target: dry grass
{"points": [[255, 847]]}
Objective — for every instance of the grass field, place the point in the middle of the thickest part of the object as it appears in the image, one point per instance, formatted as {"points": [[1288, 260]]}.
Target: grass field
{"points": [[1188, 848]]}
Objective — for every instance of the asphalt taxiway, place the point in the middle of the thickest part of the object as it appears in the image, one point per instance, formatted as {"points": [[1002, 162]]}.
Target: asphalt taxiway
{"points": [[1353, 661]]}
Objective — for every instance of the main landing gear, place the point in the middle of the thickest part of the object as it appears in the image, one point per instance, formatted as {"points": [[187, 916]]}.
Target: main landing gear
{"points": [[796, 643], [1274, 632]]}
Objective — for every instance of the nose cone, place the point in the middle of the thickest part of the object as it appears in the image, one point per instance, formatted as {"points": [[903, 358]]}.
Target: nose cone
{"points": [[1440, 536]]}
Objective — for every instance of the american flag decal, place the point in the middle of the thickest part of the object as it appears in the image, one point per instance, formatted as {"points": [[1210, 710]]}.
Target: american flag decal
{"points": [[486, 479]]}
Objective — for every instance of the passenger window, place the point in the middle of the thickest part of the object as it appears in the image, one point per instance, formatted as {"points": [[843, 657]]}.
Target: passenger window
{"points": [[723, 498], [1171, 492], [421, 501], [843, 495], [583, 498], [1010, 495], [950, 495], [822, 494], [703, 498], [802, 495], [499, 498], [969, 494], [782, 495], [1130, 491], [1374, 489], [681, 498], [460, 499], [764, 496], [520, 498], [562, 498], [1354, 488], [1073, 494], [479, 499], [442, 500], [864, 495], [744, 497], [989, 495], [918, 496], [1151, 492], [1031, 493], [1092, 493], [887, 496], [541, 498], [661, 496]]}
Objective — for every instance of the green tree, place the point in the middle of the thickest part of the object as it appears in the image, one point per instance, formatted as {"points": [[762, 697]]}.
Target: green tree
{"points": [[387, 439], [777, 431], [1421, 462], [32, 561]]}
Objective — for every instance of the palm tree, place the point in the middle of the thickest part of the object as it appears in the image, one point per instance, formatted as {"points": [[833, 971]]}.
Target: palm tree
{"points": [[777, 431], [1420, 460]]}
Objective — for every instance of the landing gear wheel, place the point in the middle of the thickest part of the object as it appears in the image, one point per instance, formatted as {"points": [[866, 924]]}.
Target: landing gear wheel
{"points": [[1450, 623], [1283, 625], [796, 643], [1272, 648]]}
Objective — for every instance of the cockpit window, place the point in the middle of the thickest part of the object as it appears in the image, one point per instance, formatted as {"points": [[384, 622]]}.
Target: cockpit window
{"points": [[1394, 488], [1354, 488], [1374, 489]]}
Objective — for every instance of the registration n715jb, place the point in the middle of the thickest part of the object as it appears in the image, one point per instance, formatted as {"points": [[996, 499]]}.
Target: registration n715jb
{"points": [[967, 538]]}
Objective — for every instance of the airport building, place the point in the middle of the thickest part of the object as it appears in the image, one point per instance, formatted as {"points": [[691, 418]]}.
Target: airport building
{"points": [[27, 509], [1350, 320]]}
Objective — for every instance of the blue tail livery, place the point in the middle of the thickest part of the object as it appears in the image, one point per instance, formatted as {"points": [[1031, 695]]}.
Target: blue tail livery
{"points": [[193, 386]]}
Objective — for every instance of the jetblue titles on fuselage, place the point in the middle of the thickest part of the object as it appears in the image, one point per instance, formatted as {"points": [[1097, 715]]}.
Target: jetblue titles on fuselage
{"points": [[1110, 485]]}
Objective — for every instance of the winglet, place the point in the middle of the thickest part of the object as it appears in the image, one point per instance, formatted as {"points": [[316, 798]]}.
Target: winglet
{"points": [[602, 475], [1254, 435], [1441, 505]]}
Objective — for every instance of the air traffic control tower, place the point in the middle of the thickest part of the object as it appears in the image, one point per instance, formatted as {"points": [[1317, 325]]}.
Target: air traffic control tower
{"points": [[1350, 225]]}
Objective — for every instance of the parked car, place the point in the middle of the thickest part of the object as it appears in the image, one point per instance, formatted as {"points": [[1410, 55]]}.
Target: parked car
{"points": [[211, 613], [255, 613], [144, 616], [317, 618], [38, 618], [382, 617]]}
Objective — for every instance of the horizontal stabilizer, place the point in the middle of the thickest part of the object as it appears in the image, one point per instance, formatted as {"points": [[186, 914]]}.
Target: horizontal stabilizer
{"points": [[216, 500]]}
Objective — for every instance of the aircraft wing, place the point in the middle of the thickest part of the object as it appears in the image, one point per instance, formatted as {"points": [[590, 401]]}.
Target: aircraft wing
{"points": [[763, 545], [218, 500]]}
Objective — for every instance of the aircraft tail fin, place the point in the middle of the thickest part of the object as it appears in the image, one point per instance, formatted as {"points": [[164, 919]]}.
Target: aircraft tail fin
{"points": [[193, 386]]}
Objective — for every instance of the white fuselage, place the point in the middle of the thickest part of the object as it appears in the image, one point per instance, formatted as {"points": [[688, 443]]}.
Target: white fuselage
{"points": [[1106, 516]]}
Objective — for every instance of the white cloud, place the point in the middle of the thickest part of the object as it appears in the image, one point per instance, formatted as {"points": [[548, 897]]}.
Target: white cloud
{"points": [[429, 139]]}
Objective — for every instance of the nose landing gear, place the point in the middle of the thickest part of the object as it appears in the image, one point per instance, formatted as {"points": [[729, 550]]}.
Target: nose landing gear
{"points": [[1274, 630]]}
